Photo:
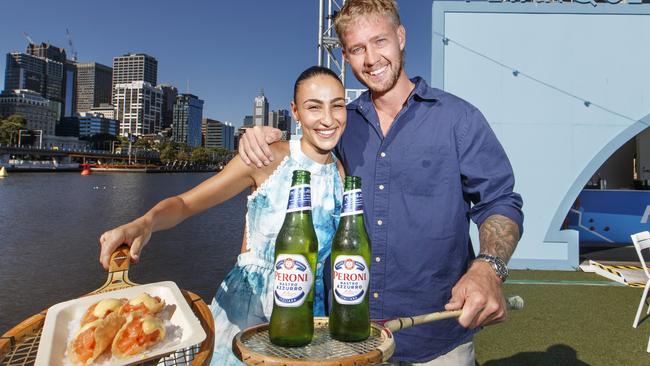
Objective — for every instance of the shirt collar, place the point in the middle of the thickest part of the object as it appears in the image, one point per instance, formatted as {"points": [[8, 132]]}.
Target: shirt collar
{"points": [[422, 91]]}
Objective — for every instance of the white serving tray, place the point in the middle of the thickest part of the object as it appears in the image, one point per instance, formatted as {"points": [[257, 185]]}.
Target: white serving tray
{"points": [[57, 327]]}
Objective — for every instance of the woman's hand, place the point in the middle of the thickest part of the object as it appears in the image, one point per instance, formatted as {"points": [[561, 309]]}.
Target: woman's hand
{"points": [[135, 234]]}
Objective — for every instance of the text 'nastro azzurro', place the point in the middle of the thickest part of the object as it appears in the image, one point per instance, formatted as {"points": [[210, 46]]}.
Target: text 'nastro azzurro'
{"points": [[352, 203], [293, 280], [351, 279], [299, 198]]}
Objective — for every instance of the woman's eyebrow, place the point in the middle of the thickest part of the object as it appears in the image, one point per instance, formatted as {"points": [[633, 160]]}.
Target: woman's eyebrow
{"points": [[318, 101], [313, 101]]}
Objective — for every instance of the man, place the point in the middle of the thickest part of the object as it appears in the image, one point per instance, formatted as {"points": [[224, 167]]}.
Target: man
{"points": [[429, 162]]}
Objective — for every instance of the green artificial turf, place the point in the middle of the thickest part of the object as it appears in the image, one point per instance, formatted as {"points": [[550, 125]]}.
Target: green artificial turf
{"points": [[564, 324]]}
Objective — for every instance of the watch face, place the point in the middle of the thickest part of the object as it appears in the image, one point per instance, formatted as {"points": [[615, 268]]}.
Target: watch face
{"points": [[497, 264], [503, 273]]}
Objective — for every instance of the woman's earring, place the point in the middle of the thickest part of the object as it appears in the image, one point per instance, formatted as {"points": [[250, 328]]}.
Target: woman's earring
{"points": [[298, 132]]}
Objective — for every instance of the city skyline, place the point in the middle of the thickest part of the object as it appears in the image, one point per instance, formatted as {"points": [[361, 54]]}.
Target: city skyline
{"points": [[210, 47]]}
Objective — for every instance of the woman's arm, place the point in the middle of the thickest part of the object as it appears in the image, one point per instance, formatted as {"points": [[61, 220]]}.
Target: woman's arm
{"points": [[233, 179]]}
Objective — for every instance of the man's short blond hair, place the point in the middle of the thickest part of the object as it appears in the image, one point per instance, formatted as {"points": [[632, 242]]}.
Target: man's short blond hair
{"points": [[352, 10]]}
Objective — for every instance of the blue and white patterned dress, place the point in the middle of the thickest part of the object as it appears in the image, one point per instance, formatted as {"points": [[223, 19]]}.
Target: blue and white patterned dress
{"points": [[245, 297]]}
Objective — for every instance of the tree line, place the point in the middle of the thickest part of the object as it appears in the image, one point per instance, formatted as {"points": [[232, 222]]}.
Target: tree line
{"points": [[9, 128], [170, 151]]}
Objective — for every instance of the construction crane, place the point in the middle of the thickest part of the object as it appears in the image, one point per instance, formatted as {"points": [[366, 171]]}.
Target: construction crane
{"points": [[328, 42], [29, 39], [73, 53]]}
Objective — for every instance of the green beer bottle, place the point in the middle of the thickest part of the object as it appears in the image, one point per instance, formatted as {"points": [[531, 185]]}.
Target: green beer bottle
{"points": [[296, 248], [350, 316]]}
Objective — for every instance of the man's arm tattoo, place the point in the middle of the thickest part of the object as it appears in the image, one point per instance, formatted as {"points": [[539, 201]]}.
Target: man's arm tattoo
{"points": [[498, 236]]}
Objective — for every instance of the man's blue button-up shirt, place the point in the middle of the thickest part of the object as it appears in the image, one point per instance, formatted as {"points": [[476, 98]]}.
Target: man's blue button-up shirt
{"points": [[438, 166]]}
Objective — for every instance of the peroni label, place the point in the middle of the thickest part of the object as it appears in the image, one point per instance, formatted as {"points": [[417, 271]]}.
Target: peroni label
{"points": [[351, 277], [293, 280], [299, 198], [352, 203]]}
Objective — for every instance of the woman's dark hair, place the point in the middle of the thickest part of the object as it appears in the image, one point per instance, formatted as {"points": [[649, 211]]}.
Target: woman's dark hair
{"points": [[310, 73]]}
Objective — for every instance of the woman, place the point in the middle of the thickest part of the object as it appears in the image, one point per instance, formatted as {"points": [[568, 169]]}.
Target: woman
{"points": [[245, 298]]}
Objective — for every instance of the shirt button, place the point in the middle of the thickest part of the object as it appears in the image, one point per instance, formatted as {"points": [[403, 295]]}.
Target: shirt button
{"points": [[375, 295], [379, 222], [381, 187], [377, 259], [383, 154]]}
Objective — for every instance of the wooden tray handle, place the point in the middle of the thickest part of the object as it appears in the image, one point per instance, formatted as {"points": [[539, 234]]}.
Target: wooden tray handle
{"points": [[118, 271], [119, 259]]}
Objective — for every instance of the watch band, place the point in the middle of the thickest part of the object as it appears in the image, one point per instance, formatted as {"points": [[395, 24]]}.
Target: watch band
{"points": [[499, 266]]}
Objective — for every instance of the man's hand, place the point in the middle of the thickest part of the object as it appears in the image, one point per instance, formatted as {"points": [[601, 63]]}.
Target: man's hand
{"points": [[478, 293], [254, 145]]}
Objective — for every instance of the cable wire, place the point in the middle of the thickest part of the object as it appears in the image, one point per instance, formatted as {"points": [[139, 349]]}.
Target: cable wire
{"points": [[516, 73]]}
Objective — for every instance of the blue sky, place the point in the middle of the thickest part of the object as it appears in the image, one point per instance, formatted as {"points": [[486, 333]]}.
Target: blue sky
{"points": [[227, 50]]}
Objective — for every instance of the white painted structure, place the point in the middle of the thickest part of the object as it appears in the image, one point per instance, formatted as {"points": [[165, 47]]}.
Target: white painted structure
{"points": [[563, 85]]}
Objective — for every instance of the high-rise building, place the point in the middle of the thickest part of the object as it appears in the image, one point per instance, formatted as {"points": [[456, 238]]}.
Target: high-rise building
{"points": [[218, 134], [46, 50], [134, 67], [30, 105], [67, 126], [261, 110], [68, 87], [94, 83], [92, 124], [229, 136], [208, 139], [273, 119], [248, 121], [24, 71], [169, 98], [105, 109], [138, 107], [41, 75], [188, 113]]}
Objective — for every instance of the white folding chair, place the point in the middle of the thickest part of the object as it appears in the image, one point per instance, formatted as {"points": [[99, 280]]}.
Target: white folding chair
{"points": [[642, 241]]}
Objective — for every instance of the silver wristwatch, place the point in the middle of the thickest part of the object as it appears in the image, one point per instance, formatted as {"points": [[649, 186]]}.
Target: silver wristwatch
{"points": [[497, 264]]}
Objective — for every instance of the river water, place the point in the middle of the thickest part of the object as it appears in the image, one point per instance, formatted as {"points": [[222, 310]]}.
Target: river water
{"points": [[50, 224]]}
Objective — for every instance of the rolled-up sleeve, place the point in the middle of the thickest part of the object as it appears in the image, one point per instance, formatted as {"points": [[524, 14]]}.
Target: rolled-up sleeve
{"points": [[486, 173]]}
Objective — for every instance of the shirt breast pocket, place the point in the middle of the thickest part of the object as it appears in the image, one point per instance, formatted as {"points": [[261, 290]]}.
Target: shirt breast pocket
{"points": [[424, 170]]}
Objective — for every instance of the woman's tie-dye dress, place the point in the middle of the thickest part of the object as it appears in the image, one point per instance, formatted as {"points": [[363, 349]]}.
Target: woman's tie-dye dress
{"points": [[245, 297]]}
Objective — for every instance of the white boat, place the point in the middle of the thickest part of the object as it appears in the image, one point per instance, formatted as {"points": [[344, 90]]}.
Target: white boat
{"points": [[38, 165]]}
